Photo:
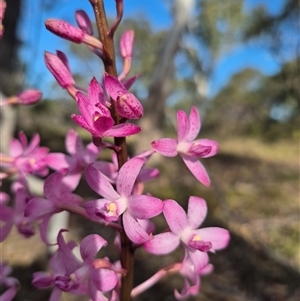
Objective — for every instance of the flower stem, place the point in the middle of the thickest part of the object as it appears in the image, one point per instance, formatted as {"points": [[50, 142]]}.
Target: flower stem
{"points": [[154, 279], [109, 62]]}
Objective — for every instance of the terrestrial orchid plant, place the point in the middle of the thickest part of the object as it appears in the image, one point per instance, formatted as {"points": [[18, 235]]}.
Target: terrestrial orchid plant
{"points": [[104, 111]]}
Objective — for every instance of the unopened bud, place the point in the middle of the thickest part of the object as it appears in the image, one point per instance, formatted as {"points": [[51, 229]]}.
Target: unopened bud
{"points": [[84, 22], [71, 33], [65, 30], [126, 43], [29, 97], [59, 70]]}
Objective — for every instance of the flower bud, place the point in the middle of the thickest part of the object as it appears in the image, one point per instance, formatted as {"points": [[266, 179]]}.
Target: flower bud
{"points": [[71, 33], [126, 43], [59, 70], [65, 30], [61, 55], [84, 22], [29, 97]]}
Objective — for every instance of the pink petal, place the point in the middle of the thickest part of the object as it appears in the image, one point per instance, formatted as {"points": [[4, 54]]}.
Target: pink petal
{"points": [[44, 230], [129, 82], [59, 70], [42, 279], [197, 210], [195, 124], [53, 187], [90, 246], [71, 180], [91, 207], [165, 146], [56, 294], [84, 22], [183, 125], [34, 143], [123, 130], [70, 198], [128, 174], [113, 86], [103, 124], [74, 143], [58, 161], [82, 123], [16, 148], [98, 182], [71, 261], [95, 92], [104, 279], [134, 230], [4, 198], [23, 139], [208, 143], [219, 237], [62, 56], [163, 243], [91, 153], [86, 109], [144, 207], [199, 259], [197, 169], [38, 208], [94, 293], [9, 294], [175, 216]]}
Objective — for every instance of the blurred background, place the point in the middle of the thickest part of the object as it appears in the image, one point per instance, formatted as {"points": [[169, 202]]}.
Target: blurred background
{"points": [[238, 62]]}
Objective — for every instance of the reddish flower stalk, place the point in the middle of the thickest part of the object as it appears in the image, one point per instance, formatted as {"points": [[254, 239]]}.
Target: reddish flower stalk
{"points": [[110, 67]]}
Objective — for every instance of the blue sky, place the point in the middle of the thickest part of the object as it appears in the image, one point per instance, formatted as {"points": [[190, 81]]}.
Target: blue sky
{"points": [[37, 39]]}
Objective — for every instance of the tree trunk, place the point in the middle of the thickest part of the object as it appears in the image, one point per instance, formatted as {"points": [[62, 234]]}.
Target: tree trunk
{"points": [[161, 84]]}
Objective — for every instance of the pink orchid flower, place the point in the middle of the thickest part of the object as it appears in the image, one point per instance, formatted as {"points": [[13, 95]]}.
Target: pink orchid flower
{"points": [[192, 281], [57, 194], [26, 158], [96, 118], [121, 201], [183, 229], [75, 163], [188, 148], [15, 215], [89, 276]]}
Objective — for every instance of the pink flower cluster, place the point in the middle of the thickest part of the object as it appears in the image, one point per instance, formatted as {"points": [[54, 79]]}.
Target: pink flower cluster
{"points": [[121, 204]]}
